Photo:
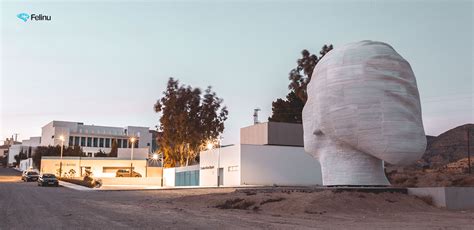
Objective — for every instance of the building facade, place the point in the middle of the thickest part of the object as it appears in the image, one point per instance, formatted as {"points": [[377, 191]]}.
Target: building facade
{"points": [[26, 146], [269, 154], [93, 138]]}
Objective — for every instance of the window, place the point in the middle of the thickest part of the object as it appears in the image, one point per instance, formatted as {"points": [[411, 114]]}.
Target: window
{"points": [[136, 144], [107, 142], [89, 141], [101, 142], [233, 168], [71, 140], [119, 143], [96, 141], [83, 141], [125, 143], [77, 140]]}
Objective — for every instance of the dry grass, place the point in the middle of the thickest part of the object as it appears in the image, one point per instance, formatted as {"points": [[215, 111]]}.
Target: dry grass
{"points": [[236, 203]]}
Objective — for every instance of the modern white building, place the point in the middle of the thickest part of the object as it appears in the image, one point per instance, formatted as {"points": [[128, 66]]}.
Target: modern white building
{"points": [[269, 154], [92, 138]]}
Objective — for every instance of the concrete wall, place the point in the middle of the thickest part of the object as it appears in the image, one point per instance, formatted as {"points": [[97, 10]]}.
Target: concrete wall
{"points": [[26, 164], [97, 164], [229, 162], [154, 172], [138, 153], [280, 165], [272, 133], [12, 152], [455, 198], [260, 165], [255, 134], [280, 133], [169, 177], [156, 181]]}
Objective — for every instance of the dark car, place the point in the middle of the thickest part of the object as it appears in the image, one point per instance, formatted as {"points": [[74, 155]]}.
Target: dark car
{"points": [[29, 176], [48, 179], [126, 173]]}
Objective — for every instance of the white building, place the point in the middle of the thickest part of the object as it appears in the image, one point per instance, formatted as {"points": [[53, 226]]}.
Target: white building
{"points": [[27, 146], [93, 138], [269, 154]]}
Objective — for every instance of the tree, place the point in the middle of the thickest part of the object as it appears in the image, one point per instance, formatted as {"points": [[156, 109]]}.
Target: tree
{"points": [[21, 156], [188, 121], [114, 150], [301, 75], [100, 154], [290, 109], [41, 151]]}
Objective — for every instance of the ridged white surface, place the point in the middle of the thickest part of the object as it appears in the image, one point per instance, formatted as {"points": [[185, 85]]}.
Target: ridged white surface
{"points": [[363, 108]]}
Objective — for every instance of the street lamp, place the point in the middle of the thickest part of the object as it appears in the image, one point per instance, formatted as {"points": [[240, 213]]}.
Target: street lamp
{"points": [[61, 161], [132, 140], [210, 146]]}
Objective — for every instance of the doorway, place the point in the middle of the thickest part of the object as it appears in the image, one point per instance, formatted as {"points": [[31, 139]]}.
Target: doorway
{"points": [[220, 177]]}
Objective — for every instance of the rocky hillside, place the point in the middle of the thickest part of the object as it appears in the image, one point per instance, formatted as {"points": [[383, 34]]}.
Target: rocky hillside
{"points": [[448, 147]]}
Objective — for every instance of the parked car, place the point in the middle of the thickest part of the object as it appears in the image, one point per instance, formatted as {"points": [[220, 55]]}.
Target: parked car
{"points": [[126, 173], [47, 179], [29, 176]]}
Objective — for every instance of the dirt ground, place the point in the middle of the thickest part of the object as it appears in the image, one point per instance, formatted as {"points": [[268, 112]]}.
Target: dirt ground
{"points": [[27, 206]]}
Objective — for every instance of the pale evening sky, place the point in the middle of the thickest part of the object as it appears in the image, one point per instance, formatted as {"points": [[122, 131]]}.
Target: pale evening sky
{"points": [[106, 62]]}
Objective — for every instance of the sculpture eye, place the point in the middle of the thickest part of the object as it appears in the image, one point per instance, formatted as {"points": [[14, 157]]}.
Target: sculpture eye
{"points": [[318, 132]]}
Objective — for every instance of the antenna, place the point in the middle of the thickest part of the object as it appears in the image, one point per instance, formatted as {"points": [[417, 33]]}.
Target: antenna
{"points": [[255, 116]]}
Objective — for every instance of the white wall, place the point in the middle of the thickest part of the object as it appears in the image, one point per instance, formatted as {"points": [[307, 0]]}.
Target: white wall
{"points": [[12, 152], [229, 157], [50, 164], [280, 165], [169, 177], [32, 142], [138, 153], [26, 164]]}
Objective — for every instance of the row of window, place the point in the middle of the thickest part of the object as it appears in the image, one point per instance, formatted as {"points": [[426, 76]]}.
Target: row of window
{"points": [[100, 142]]}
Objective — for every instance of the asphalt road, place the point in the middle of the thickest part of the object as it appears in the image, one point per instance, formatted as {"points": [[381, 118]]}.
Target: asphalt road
{"points": [[26, 206]]}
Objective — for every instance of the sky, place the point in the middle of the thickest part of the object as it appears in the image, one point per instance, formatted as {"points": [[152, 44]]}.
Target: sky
{"points": [[107, 62]]}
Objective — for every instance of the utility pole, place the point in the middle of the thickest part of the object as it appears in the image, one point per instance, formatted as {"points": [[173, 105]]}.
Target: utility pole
{"points": [[468, 150]]}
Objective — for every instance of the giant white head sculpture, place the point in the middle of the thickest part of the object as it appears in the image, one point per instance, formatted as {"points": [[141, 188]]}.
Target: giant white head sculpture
{"points": [[363, 108]]}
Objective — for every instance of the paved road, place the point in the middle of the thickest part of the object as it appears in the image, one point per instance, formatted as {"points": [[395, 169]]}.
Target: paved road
{"points": [[26, 206]]}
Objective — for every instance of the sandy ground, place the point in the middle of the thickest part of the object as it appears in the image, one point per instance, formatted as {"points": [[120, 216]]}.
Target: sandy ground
{"points": [[27, 206]]}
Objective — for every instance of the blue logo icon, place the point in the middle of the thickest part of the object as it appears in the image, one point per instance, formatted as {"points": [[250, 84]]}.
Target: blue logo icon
{"points": [[23, 16]]}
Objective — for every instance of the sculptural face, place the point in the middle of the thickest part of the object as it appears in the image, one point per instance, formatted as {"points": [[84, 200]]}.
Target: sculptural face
{"points": [[363, 98]]}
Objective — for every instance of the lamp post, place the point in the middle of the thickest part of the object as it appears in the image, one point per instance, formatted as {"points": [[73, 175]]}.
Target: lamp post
{"points": [[156, 157], [61, 161], [132, 140], [210, 146], [219, 161]]}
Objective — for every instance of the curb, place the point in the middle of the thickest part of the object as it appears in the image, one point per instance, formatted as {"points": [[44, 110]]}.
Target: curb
{"points": [[75, 186]]}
